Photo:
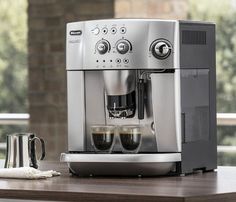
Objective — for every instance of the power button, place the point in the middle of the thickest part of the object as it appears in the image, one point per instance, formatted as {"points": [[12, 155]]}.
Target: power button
{"points": [[96, 31]]}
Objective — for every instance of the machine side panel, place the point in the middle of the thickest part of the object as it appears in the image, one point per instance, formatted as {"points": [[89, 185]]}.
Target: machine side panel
{"points": [[198, 121], [196, 42], [199, 146], [76, 113]]}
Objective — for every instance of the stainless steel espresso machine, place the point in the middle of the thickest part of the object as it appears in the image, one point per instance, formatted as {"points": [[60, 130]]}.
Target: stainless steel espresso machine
{"points": [[158, 74]]}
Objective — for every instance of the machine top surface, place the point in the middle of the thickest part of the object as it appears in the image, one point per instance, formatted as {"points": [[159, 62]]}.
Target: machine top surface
{"points": [[144, 20]]}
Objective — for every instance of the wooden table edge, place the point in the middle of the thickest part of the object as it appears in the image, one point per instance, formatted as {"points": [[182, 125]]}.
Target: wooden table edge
{"points": [[83, 196]]}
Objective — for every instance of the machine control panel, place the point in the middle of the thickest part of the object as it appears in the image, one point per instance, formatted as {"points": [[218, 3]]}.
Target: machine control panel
{"points": [[122, 44]]}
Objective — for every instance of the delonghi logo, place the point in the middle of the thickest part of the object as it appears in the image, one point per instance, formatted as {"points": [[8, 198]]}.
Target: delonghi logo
{"points": [[74, 41], [75, 32]]}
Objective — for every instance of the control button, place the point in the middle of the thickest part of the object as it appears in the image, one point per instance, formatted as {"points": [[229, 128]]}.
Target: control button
{"points": [[103, 46], [113, 30], [161, 49], [104, 30], [96, 31], [122, 30], [126, 61], [118, 60], [123, 46]]}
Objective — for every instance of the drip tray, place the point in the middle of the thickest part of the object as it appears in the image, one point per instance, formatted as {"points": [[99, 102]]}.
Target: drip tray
{"points": [[83, 164]]}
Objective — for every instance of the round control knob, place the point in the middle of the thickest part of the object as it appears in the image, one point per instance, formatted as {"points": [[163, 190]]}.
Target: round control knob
{"points": [[123, 46], [103, 47], [161, 49]]}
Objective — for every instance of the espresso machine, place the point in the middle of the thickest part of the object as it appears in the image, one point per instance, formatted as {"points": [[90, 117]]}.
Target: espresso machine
{"points": [[158, 74]]}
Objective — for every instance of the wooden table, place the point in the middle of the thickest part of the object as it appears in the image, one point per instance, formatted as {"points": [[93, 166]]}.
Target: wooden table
{"points": [[211, 186]]}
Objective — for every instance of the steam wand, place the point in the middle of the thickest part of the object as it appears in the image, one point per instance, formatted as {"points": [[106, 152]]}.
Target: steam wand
{"points": [[141, 91]]}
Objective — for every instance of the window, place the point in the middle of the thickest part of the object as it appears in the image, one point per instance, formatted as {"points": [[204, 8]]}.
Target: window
{"points": [[13, 69]]}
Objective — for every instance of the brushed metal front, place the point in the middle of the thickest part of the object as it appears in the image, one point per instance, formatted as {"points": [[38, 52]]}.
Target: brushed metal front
{"points": [[164, 99], [119, 82]]}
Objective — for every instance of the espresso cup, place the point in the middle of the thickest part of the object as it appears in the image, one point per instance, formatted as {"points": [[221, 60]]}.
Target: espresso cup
{"points": [[130, 138], [102, 137]]}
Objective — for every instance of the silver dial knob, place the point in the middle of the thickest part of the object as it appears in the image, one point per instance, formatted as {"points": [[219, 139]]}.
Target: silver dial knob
{"points": [[123, 46], [103, 47], [161, 49]]}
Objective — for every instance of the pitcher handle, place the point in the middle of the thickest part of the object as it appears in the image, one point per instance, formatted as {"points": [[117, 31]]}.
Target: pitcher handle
{"points": [[42, 147]]}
